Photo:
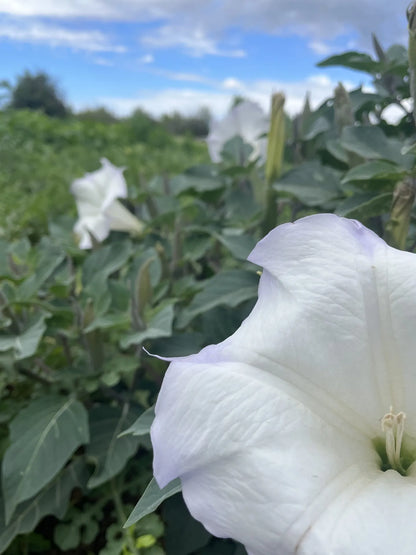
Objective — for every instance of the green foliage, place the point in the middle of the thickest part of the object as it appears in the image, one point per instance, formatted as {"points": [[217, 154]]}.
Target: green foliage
{"points": [[78, 385], [37, 92], [41, 156], [196, 125]]}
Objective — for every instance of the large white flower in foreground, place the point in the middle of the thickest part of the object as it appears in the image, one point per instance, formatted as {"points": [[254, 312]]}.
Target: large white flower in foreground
{"points": [[273, 432], [246, 120], [99, 210]]}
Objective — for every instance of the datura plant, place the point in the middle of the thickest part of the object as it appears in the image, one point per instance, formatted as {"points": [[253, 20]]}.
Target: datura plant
{"points": [[297, 434], [246, 120], [99, 210]]}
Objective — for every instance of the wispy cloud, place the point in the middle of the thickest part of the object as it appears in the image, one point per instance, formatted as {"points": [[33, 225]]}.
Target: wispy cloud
{"points": [[147, 59], [195, 42], [37, 32], [184, 76], [320, 47]]}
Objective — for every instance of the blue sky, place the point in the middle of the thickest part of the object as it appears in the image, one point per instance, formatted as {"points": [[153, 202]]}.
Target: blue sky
{"points": [[165, 55]]}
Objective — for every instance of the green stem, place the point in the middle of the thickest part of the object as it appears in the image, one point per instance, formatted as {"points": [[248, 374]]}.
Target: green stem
{"points": [[122, 517]]}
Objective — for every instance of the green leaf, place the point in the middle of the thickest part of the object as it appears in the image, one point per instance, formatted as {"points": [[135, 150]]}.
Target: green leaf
{"points": [[374, 170], [105, 260], [142, 425], [318, 126], [182, 183], [50, 258], [229, 288], [107, 321], [311, 183], [26, 343], [160, 325], [239, 245], [42, 438], [151, 499], [107, 449], [52, 500], [365, 205], [352, 60], [371, 143], [334, 147]]}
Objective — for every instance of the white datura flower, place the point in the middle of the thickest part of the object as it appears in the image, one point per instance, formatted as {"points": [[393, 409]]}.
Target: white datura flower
{"points": [[99, 210], [297, 434], [246, 120]]}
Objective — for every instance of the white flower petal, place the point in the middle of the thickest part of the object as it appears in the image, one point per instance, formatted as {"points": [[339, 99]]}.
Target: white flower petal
{"points": [[121, 219], [96, 225], [374, 517], [335, 307], [246, 120], [270, 431], [251, 459]]}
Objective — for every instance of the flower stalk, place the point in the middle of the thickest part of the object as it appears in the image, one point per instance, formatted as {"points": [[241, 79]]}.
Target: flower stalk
{"points": [[411, 19], [274, 162], [397, 227]]}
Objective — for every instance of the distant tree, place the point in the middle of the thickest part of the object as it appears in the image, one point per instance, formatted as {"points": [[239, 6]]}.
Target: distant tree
{"points": [[196, 125], [5, 93], [100, 114], [38, 92]]}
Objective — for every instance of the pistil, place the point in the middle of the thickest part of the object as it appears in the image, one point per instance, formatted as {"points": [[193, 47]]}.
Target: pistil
{"points": [[393, 426]]}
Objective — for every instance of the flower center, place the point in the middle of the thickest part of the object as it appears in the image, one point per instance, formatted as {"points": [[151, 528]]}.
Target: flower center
{"points": [[393, 427]]}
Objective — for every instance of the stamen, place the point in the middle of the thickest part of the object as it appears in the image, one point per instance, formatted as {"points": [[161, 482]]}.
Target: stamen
{"points": [[393, 426]]}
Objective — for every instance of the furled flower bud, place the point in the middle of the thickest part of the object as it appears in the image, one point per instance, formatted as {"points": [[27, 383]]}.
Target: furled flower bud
{"points": [[343, 108], [276, 142]]}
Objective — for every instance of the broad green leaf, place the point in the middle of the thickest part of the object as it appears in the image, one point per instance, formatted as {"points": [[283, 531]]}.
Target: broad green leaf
{"points": [[50, 258], [105, 260], [375, 169], [142, 425], [311, 183], [316, 127], [228, 288], [352, 60], [26, 343], [42, 438], [240, 245], [107, 449], [236, 151], [372, 143], [151, 499], [361, 100], [365, 205], [107, 321], [160, 325], [335, 148], [52, 500], [182, 183]]}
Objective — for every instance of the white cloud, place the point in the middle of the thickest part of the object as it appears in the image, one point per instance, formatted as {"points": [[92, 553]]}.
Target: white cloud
{"points": [[194, 40], [231, 83], [320, 47], [36, 32], [139, 10], [310, 19], [184, 76], [188, 100], [147, 59]]}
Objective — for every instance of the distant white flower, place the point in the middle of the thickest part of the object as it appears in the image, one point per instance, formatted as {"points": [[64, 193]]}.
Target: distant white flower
{"points": [[246, 120], [99, 210], [297, 434]]}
